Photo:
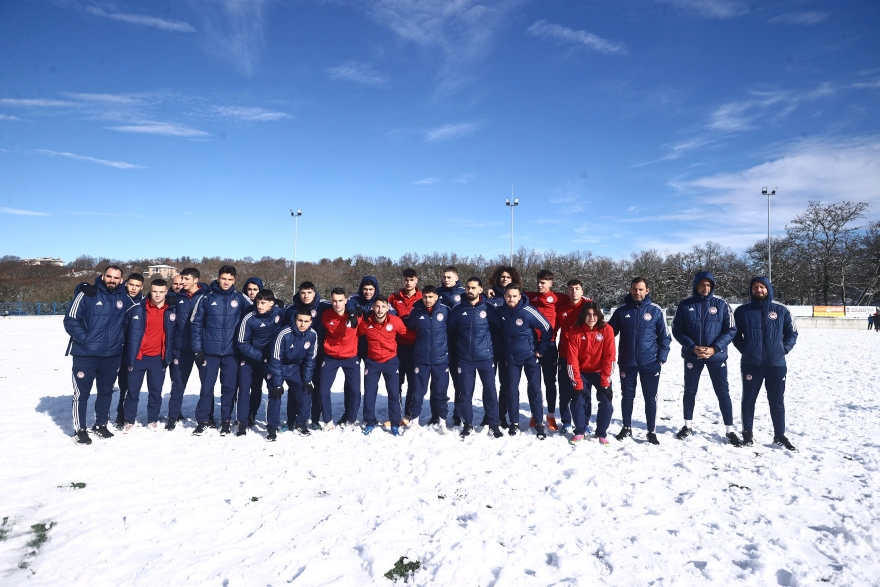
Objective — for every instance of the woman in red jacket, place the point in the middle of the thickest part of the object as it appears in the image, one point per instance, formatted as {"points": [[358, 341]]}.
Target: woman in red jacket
{"points": [[591, 357]]}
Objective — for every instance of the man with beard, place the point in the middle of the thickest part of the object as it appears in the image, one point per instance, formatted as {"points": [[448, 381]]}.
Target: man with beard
{"points": [[95, 324]]}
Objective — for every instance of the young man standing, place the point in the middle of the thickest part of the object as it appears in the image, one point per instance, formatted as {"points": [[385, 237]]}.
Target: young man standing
{"points": [[214, 320], [429, 320], [340, 352], [643, 348], [566, 317], [523, 350], [402, 302], [292, 360], [473, 330], [95, 323], [451, 294], [134, 289], [546, 301], [380, 329], [149, 349], [703, 326], [184, 358], [765, 333]]}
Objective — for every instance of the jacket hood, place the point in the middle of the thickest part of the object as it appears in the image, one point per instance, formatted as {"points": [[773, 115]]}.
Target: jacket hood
{"points": [[256, 280], [700, 276], [215, 287], [367, 280], [298, 303], [763, 279]]}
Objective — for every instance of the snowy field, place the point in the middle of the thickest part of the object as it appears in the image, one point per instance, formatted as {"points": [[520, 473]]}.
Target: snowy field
{"points": [[339, 508]]}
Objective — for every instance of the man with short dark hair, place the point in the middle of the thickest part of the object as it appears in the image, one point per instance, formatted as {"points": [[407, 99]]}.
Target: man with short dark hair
{"points": [[214, 319], [134, 289], [566, 317], [95, 323], [149, 349], [402, 302], [429, 320], [643, 348], [765, 333], [340, 352], [184, 358], [451, 294], [252, 286], [292, 359]]}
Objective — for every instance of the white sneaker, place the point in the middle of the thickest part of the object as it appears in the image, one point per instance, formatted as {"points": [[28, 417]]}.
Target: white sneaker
{"points": [[413, 424], [441, 427], [127, 428], [153, 426], [328, 426]]}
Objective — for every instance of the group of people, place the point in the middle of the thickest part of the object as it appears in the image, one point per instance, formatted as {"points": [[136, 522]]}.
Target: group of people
{"points": [[420, 339]]}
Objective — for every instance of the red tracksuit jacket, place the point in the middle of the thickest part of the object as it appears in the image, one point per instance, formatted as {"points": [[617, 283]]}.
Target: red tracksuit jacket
{"points": [[381, 338], [548, 305], [403, 306], [594, 352], [565, 318], [340, 339]]}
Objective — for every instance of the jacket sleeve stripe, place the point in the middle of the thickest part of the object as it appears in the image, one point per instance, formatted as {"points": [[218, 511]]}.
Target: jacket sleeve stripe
{"points": [[314, 346], [192, 318], [281, 335], [537, 315], [75, 306], [243, 326]]}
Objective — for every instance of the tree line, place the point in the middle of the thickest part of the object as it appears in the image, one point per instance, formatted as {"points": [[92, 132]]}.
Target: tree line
{"points": [[829, 255]]}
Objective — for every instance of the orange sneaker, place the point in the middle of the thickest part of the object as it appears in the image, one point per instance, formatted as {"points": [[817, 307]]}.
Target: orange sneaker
{"points": [[532, 423], [551, 424]]}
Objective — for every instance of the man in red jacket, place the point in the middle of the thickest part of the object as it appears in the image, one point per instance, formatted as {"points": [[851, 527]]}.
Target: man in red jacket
{"points": [[381, 329], [566, 317], [402, 302], [340, 352], [547, 302]]}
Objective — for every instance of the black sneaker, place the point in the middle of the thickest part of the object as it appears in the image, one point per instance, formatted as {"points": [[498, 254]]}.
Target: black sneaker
{"points": [[783, 442], [748, 439], [434, 421], [652, 438], [466, 430], [539, 431], [211, 422], [242, 430], [625, 432], [513, 430], [733, 439], [496, 431], [170, 425], [225, 428], [456, 420], [201, 429], [82, 437], [119, 424], [484, 421], [180, 418], [102, 432], [301, 430], [684, 432], [343, 420], [252, 420], [271, 435], [504, 423]]}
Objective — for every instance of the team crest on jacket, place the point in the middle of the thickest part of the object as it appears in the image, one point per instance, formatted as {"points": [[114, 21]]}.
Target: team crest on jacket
{"points": [[242, 363], [130, 368], [314, 313], [118, 304], [690, 365], [176, 362], [482, 313], [713, 310], [771, 315], [622, 375], [439, 317], [647, 316], [367, 371], [748, 377], [234, 303], [519, 322], [389, 328], [80, 374], [268, 376], [459, 370], [549, 299], [600, 337], [306, 344], [277, 318], [416, 370], [172, 316], [457, 298]]}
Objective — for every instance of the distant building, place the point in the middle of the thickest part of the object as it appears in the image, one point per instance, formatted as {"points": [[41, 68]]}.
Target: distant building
{"points": [[165, 271], [44, 261]]}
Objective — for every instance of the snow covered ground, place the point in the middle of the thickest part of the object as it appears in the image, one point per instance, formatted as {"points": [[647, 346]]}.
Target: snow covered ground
{"points": [[339, 508]]}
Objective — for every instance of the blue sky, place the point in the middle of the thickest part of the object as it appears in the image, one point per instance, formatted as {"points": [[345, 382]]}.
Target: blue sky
{"points": [[151, 129]]}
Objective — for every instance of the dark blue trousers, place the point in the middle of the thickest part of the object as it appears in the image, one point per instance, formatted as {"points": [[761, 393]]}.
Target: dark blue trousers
{"points": [[718, 374], [102, 371], [298, 402], [315, 402], [773, 379], [351, 369], [548, 369], [503, 385], [154, 370], [439, 379], [251, 375], [122, 382], [650, 378], [390, 371], [581, 406], [181, 368], [467, 379], [566, 395], [227, 368], [406, 355], [456, 386], [532, 369]]}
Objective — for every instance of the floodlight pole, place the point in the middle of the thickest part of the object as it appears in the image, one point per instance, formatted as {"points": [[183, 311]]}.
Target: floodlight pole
{"points": [[769, 264], [296, 216], [512, 206]]}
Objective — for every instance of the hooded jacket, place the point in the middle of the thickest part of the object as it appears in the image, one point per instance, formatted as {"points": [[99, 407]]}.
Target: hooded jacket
{"points": [[136, 319], [183, 326], [358, 298], [316, 309], [256, 331], [96, 323], [430, 329], [765, 332], [473, 331], [703, 321], [451, 296], [291, 350], [215, 319], [524, 332], [644, 336]]}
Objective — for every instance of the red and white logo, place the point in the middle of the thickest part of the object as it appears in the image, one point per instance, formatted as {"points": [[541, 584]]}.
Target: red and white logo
{"points": [[600, 337], [389, 328], [130, 368], [277, 318], [772, 315], [306, 344], [457, 298], [623, 375], [417, 370], [323, 363], [549, 299], [176, 362], [713, 310], [172, 316], [234, 303], [459, 370], [242, 363], [647, 316], [268, 376], [119, 304], [314, 313], [690, 365], [519, 322], [482, 313], [439, 317], [748, 377], [80, 374]]}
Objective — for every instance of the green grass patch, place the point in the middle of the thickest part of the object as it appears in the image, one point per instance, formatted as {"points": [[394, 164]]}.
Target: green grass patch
{"points": [[255, 498], [73, 486], [403, 569]]}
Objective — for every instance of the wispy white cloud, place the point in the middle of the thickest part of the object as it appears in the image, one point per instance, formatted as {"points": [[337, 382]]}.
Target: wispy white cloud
{"points": [[116, 164], [250, 114], [234, 30], [710, 8], [161, 128], [171, 26], [874, 85], [355, 71], [547, 30], [799, 18], [119, 99], [8, 117], [35, 103], [21, 212], [464, 178], [426, 181], [451, 131], [680, 149]]}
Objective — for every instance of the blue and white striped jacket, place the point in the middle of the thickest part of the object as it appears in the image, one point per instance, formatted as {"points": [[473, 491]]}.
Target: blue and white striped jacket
{"points": [[524, 332]]}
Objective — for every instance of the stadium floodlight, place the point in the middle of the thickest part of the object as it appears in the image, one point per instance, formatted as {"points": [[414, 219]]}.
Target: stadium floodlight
{"points": [[512, 206], [764, 192], [296, 216]]}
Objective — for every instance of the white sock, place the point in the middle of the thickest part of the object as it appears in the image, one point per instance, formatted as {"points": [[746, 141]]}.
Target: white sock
{"points": [[729, 429], [688, 423]]}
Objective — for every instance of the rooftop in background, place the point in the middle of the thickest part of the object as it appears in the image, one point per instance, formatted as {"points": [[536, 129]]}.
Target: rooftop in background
{"points": [[165, 271], [44, 261]]}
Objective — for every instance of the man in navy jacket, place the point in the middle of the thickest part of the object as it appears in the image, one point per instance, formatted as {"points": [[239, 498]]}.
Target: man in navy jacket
{"points": [[703, 326], [292, 359], [310, 300], [765, 333], [214, 323], [184, 358], [642, 349], [134, 290], [429, 320], [451, 294], [95, 323]]}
